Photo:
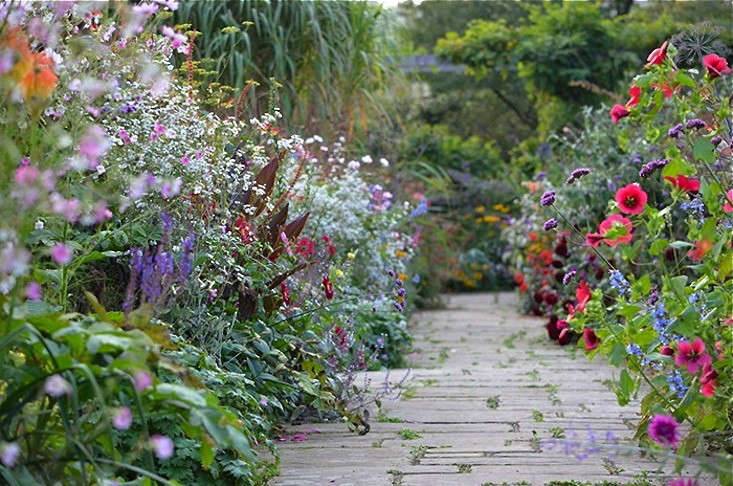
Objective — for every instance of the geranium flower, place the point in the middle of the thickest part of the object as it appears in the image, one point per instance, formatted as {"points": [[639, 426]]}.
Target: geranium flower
{"points": [[715, 65], [692, 355], [664, 430], [618, 112], [708, 380], [702, 247], [727, 206], [657, 56], [631, 199], [590, 340], [684, 183], [635, 94], [614, 230]]}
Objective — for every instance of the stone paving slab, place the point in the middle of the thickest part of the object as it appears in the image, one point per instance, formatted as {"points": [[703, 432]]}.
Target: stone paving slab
{"points": [[489, 400]]}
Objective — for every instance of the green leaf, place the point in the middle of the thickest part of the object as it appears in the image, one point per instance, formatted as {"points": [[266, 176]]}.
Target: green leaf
{"points": [[704, 150], [170, 391], [658, 247]]}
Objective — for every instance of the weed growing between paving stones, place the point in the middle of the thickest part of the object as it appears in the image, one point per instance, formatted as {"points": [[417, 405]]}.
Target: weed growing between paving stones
{"points": [[408, 434]]}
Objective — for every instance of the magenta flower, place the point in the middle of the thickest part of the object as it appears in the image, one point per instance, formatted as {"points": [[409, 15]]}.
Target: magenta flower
{"points": [[169, 189], [683, 482], [33, 291], [142, 380], [158, 131], [9, 454], [70, 209], [162, 446], [56, 386], [122, 419], [26, 175], [691, 355], [664, 430], [61, 254], [124, 136], [101, 212]]}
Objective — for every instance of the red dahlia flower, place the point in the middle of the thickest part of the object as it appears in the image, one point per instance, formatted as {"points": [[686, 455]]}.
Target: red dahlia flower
{"points": [[618, 112], [687, 184], [631, 199], [590, 340], [657, 56], [692, 355], [715, 65]]}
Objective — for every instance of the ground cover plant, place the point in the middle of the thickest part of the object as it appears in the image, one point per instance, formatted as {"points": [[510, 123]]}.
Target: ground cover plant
{"points": [[175, 283]]}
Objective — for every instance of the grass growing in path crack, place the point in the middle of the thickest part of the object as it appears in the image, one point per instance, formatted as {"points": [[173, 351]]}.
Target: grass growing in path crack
{"points": [[386, 419], [397, 477], [493, 402], [557, 432], [417, 453], [464, 468], [408, 434], [537, 416]]}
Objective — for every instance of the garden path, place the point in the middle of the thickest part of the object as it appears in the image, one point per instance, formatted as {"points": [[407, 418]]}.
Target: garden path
{"points": [[486, 394]]}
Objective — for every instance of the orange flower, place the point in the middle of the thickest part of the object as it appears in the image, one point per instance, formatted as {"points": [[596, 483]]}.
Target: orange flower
{"points": [[702, 247], [39, 80]]}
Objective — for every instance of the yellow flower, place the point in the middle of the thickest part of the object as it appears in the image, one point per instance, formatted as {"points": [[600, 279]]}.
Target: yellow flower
{"points": [[400, 253], [491, 218], [480, 209], [402, 276], [351, 255], [338, 273], [501, 208]]}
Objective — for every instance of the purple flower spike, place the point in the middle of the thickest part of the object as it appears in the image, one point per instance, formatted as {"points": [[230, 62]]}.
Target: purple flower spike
{"points": [[550, 224], [695, 124], [577, 174], [652, 166], [548, 198]]}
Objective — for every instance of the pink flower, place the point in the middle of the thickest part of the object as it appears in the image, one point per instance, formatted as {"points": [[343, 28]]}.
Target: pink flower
{"points": [[124, 136], [618, 112], [727, 206], [708, 380], [185, 160], [179, 42], [664, 430], [657, 56], [631, 199], [582, 296], [61, 254], [122, 419], [26, 175], [172, 188], [590, 340], [692, 355], [614, 230], [684, 183], [635, 93], [305, 247], [158, 131], [715, 65], [683, 482], [93, 145], [162, 446], [101, 212], [70, 209], [142, 380], [56, 386], [33, 291]]}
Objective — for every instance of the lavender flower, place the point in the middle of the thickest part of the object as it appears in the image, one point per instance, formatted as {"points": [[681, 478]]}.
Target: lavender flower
{"points": [[695, 123], [652, 166], [676, 131], [548, 198], [550, 224], [420, 209], [577, 174]]}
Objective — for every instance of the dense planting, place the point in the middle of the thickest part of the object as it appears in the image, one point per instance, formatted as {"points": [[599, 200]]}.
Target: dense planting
{"points": [[174, 283]]}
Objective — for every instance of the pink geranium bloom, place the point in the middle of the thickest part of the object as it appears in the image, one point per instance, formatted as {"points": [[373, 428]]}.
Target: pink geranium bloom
{"points": [[692, 355], [715, 65], [618, 112], [657, 56], [664, 430], [631, 199]]}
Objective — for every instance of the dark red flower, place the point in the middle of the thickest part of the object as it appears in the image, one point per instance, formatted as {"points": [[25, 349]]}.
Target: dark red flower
{"points": [[305, 247], [618, 112], [244, 229], [550, 298], [552, 330], [285, 293], [657, 56], [715, 65], [687, 184], [666, 351], [692, 355], [590, 340], [327, 287], [566, 335], [330, 247], [631, 199]]}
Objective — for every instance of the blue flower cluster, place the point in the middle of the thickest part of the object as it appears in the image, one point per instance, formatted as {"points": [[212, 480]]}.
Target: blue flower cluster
{"points": [[661, 322], [619, 282], [677, 384], [694, 207]]}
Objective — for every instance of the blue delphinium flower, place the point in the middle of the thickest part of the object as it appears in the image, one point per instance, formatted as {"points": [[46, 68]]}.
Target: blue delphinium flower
{"points": [[661, 322]]}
